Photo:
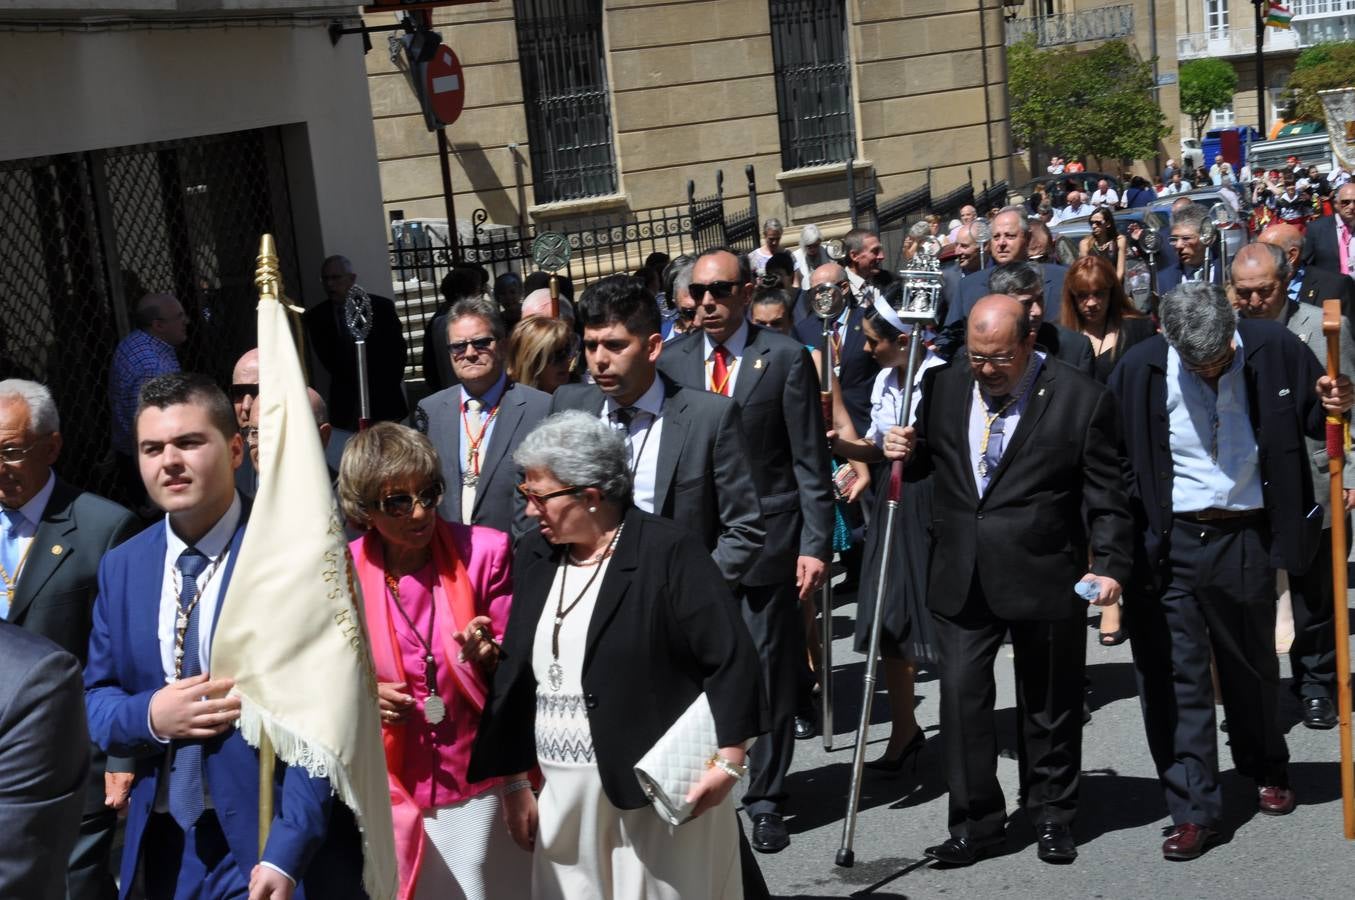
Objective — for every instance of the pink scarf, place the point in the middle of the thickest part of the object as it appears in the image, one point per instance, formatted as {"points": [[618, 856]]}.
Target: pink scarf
{"points": [[454, 601]]}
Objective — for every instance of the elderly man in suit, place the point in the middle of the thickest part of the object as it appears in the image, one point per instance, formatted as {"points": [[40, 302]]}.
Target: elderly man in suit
{"points": [[856, 369], [51, 539], [1194, 261], [1028, 491], [1009, 243], [1213, 414], [44, 760], [689, 459], [327, 331], [1260, 278], [1328, 241], [771, 378], [1308, 283], [192, 822], [478, 423]]}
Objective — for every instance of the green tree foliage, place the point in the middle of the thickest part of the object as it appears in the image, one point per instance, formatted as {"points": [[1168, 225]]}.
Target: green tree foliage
{"points": [[1098, 103], [1206, 85], [1319, 68]]}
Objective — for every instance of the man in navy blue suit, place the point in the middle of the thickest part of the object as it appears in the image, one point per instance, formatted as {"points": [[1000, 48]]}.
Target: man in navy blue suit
{"points": [[192, 824], [1194, 262]]}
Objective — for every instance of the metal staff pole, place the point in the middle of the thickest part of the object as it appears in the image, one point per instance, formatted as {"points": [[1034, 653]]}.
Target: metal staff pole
{"points": [[1336, 459], [357, 315], [982, 232], [550, 253], [1209, 236], [921, 292], [828, 302], [1224, 217]]}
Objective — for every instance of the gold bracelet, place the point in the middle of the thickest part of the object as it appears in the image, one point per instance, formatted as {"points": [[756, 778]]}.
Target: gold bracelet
{"points": [[728, 766]]}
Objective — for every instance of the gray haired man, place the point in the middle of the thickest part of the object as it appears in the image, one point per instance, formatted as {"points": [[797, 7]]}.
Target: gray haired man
{"points": [[1213, 410]]}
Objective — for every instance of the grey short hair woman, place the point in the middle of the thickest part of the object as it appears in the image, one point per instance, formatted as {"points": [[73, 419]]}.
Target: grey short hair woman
{"points": [[620, 621]]}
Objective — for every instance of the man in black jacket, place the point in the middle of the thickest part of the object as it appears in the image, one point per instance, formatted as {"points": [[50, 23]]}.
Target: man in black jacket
{"points": [[1324, 240], [1308, 283], [59, 533], [328, 334], [1028, 490], [771, 378], [689, 460], [1214, 413]]}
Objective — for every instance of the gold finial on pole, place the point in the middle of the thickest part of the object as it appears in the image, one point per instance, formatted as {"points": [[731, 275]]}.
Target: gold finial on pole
{"points": [[266, 276]]}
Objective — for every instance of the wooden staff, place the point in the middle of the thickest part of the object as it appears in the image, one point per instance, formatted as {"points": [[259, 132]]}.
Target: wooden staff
{"points": [[268, 279], [1336, 461]]}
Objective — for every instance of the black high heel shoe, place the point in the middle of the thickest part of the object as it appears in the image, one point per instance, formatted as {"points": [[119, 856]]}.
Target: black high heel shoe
{"points": [[894, 766]]}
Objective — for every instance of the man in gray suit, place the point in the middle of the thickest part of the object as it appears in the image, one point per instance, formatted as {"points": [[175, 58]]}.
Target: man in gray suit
{"points": [[477, 424], [44, 758], [52, 536], [1261, 274], [771, 378], [689, 459]]}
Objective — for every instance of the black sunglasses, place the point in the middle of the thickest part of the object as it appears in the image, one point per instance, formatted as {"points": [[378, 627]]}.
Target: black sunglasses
{"points": [[241, 391], [687, 312], [481, 344], [720, 290], [397, 506]]}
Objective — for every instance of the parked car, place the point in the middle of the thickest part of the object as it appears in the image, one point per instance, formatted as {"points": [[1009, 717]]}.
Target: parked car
{"points": [[1070, 232], [1192, 155]]}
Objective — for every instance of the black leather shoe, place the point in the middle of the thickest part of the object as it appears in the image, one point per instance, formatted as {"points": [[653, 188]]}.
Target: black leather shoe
{"points": [[1055, 843], [956, 852], [769, 833], [1319, 713], [805, 728]]}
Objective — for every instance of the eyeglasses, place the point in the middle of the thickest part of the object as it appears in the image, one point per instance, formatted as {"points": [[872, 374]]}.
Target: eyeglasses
{"points": [[481, 344], [720, 290], [397, 506], [241, 391], [1001, 362], [1257, 291], [687, 312], [539, 500], [12, 456]]}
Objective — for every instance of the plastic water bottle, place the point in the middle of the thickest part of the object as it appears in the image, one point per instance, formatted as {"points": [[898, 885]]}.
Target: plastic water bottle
{"points": [[1087, 590]]}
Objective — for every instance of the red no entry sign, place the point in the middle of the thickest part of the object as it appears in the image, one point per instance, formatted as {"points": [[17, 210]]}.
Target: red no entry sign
{"points": [[445, 84]]}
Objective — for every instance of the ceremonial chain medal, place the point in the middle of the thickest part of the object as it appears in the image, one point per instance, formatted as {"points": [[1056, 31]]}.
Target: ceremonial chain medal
{"points": [[471, 477], [434, 710], [181, 614], [990, 418], [729, 373], [12, 582], [556, 673]]}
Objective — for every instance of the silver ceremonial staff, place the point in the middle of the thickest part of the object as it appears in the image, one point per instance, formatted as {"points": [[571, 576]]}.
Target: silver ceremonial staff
{"points": [[1150, 242], [357, 315], [828, 302], [983, 233], [917, 306], [1223, 216]]}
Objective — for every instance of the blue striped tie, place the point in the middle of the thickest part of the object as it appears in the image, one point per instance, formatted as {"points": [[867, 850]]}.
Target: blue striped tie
{"points": [[185, 770]]}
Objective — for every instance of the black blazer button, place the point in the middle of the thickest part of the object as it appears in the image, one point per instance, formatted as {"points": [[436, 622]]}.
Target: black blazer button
{"points": [[590, 701], [979, 516]]}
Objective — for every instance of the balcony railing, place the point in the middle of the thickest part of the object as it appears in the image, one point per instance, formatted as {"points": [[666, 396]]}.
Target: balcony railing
{"points": [[1315, 22], [1102, 24]]}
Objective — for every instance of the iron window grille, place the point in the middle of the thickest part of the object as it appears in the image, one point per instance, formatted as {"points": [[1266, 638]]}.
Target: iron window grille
{"points": [[813, 82], [564, 83]]}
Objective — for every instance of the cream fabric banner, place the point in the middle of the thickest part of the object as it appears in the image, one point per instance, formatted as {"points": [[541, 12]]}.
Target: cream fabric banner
{"points": [[1339, 105], [291, 632]]}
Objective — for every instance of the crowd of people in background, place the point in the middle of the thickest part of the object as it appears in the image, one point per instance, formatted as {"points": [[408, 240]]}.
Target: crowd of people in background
{"points": [[612, 504]]}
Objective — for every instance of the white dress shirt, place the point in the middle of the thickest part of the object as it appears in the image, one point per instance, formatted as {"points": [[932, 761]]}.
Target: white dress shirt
{"points": [[643, 440], [25, 532], [735, 345], [862, 290]]}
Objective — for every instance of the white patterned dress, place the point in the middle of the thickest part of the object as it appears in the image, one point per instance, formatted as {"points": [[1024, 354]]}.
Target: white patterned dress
{"points": [[586, 848]]}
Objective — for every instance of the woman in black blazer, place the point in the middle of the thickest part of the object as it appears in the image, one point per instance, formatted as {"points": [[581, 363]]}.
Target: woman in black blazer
{"points": [[620, 621]]}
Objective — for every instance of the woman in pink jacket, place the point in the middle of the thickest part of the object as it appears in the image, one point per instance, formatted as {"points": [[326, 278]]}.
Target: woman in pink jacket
{"points": [[427, 585]]}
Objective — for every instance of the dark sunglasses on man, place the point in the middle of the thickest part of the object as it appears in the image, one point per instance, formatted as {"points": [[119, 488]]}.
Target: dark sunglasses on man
{"points": [[481, 344], [397, 506], [241, 391], [720, 290], [687, 312]]}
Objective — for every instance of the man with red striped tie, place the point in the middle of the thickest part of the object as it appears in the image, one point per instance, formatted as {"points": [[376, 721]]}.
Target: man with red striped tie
{"points": [[771, 378]]}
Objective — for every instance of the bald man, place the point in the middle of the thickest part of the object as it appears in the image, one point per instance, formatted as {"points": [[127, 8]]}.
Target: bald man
{"points": [[856, 369], [1327, 243], [1309, 284], [1028, 490], [537, 303]]}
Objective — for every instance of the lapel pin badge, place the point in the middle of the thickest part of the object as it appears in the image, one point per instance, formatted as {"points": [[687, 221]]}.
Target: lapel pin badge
{"points": [[1041, 393], [757, 363], [56, 549], [1284, 392]]}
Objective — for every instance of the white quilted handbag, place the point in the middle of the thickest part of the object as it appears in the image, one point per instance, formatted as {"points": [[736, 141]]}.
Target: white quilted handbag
{"points": [[677, 761]]}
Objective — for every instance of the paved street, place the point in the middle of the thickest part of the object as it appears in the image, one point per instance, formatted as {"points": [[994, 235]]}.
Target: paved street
{"points": [[1119, 829]]}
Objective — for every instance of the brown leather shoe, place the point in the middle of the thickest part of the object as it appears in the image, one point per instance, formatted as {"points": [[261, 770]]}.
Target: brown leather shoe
{"points": [[1272, 800], [1187, 841]]}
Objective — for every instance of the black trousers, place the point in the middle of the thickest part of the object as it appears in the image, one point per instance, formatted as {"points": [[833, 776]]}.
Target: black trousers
{"points": [[1312, 656], [1220, 597], [772, 614], [1050, 659]]}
